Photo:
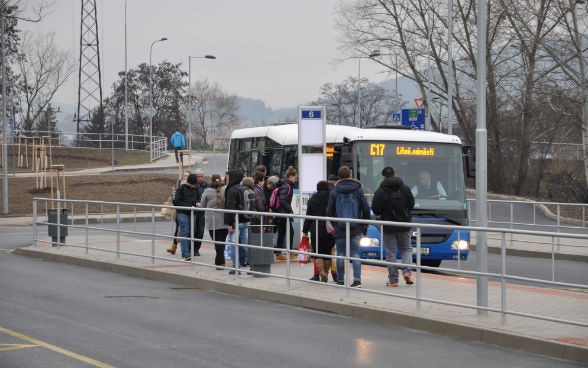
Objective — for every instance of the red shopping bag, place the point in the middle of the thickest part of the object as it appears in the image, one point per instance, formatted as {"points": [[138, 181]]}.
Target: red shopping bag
{"points": [[304, 246]]}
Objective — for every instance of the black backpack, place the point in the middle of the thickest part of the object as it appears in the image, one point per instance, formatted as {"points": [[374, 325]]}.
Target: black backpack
{"points": [[398, 209]]}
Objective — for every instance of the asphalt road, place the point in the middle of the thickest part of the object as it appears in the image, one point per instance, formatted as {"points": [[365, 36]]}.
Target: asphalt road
{"points": [[57, 315]]}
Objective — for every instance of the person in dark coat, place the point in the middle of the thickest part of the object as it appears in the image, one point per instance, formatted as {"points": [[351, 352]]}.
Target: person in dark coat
{"points": [[286, 192], [186, 196], [233, 201], [393, 201], [317, 206]]}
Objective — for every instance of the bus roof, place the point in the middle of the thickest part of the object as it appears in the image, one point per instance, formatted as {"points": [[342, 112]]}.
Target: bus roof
{"points": [[287, 134]]}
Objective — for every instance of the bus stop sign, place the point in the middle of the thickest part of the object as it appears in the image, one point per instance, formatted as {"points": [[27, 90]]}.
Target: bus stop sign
{"points": [[414, 118]]}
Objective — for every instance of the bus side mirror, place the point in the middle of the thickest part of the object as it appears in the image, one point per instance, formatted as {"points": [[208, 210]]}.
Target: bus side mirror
{"points": [[346, 156]]}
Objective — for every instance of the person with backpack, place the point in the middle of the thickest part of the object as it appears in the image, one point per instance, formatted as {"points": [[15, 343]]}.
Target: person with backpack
{"points": [[281, 202], [234, 201], [393, 201], [347, 200]]}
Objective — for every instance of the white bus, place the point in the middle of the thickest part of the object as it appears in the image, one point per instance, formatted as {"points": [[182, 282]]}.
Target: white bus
{"points": [[367, 151]]}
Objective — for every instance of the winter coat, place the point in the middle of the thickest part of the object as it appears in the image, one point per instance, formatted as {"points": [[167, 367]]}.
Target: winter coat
{"points": [[177, 140], [286, 192], [317, 206], [349, 185], [213, 220], [382, 206], [185, 197], [233, 196]]}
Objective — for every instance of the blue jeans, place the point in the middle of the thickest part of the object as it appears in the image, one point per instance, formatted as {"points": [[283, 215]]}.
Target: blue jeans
{"points": [[184, 221], [401, 241], [198, 230], [243, 239], [341, 243]]}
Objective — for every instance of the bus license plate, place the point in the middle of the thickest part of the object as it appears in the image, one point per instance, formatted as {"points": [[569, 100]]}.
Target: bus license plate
{"points": [[424, 251]]}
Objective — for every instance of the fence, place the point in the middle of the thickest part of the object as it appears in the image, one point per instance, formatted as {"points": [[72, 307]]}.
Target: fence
{"points": [[545, 216], [100, 140], [133, 231]]}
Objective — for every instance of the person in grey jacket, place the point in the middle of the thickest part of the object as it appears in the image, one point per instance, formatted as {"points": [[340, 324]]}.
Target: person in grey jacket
{"points": [[214, 197]]}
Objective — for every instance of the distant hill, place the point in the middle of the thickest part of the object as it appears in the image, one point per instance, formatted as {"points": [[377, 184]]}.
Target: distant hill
{"points": [[255, 111], [259, 114]]}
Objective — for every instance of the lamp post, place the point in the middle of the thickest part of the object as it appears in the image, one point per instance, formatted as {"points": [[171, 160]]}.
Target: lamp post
{"points": [[377, 53], [188, 114], [151, 110], [371, 55]]}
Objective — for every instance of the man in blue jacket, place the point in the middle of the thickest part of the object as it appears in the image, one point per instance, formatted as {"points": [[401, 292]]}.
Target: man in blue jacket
{"points": [[347, 200], [177, 140]]}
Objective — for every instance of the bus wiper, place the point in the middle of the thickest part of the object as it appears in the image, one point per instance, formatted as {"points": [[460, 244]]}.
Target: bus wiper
{"points": [[437, 215]]}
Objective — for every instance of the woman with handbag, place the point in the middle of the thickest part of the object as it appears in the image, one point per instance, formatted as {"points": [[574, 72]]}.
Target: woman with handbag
{"points": [[322, 242]]}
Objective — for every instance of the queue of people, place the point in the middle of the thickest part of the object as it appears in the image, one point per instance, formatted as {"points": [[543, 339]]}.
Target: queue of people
{"points": [[339, 196]]}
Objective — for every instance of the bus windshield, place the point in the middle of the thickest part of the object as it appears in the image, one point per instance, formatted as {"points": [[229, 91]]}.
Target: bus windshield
{"points": [[433, 171]]}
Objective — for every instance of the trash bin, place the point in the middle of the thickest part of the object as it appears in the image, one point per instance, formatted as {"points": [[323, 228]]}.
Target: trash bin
{"points": [[52, 229], [261, 259]]}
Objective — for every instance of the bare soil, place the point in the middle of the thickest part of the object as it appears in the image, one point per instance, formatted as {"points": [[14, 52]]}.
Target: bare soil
{"points": [[127, 188]]}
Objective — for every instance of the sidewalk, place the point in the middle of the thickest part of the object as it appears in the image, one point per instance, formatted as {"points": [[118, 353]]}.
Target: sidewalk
{"points": [[165, 162], [375, 302]]}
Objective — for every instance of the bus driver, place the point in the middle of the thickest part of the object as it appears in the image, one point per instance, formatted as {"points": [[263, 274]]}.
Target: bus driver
{"points": [[425, 189]]}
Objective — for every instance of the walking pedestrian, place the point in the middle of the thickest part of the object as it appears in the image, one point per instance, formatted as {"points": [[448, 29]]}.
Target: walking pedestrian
{"points": [[393, 201], [347, 200], [178, 141]]}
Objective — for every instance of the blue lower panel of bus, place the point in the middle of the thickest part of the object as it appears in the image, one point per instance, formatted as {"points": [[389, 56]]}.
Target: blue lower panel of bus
{"points": [[436, 245]]}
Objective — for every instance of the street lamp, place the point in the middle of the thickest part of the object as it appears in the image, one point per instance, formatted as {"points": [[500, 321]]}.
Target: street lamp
{"points": [[371, 55], [188, 115], [377, 53], [151, 110]]}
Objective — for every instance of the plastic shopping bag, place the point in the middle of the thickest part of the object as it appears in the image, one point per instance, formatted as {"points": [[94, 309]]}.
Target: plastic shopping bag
{"points": [[229, 247], [304, 247]]}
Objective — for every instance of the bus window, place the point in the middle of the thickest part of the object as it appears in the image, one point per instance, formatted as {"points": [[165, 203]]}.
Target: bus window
{"points": [[276, 163]]}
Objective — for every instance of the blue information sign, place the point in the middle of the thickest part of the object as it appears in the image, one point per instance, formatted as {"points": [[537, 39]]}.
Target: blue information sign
{"points": [[310, 114], [414, 118]]}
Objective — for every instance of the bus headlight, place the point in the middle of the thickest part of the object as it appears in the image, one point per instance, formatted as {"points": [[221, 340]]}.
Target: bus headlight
{"points": [[460, 244], [369, 242]]}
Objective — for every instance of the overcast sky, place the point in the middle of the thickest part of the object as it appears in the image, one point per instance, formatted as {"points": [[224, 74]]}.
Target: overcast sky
{"points": [[278, 51]]}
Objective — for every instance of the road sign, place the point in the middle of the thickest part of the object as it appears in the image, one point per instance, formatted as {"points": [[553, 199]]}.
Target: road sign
{"points": [[396, 117], [310, 114], [414, 118]]}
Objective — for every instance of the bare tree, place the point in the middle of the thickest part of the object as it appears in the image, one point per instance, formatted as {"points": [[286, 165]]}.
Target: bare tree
{"points": [[357, 103], [210, 108], [43, 70], [413, 36]]}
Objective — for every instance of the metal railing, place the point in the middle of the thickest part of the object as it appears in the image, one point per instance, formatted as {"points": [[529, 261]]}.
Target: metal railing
{"points": [[542, 216], [98, 140], [104, 233]]}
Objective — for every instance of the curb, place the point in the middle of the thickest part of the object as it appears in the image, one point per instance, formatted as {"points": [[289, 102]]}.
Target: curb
{"points": [[551, 348]]}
